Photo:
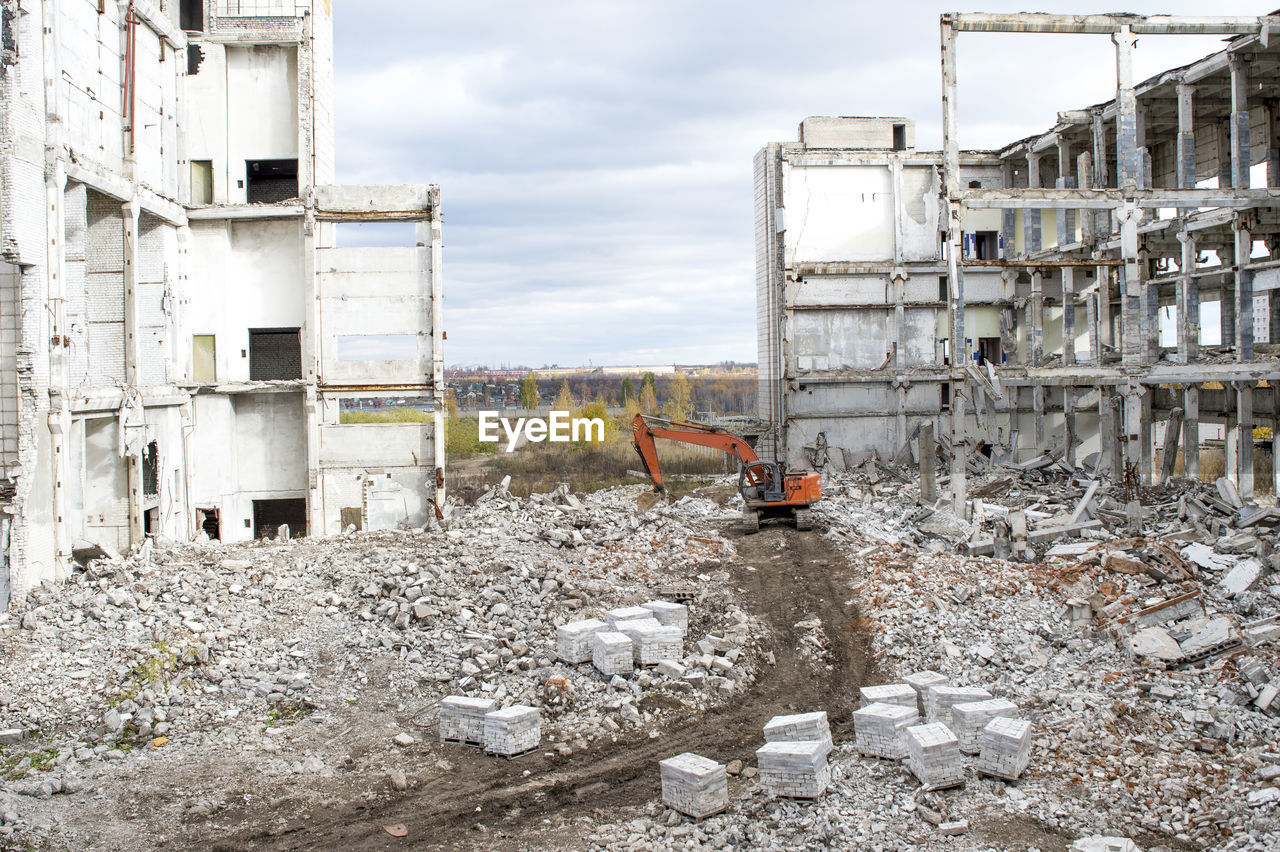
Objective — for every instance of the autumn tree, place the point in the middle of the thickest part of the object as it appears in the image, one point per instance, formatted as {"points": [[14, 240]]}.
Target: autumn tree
{"points": [[450, 402], [648, 399], [679, 398], [529, 391], [564, 399]]}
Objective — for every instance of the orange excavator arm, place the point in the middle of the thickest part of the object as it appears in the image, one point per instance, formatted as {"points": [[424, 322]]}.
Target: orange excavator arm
{"points": [[645, 429]]}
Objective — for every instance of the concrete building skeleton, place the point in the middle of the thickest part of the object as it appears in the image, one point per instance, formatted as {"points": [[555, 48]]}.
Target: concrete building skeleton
{"points": [[1047, 266], [178, 326]]}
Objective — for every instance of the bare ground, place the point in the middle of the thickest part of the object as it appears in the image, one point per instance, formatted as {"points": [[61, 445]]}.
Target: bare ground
{"points": [[491, 803]]}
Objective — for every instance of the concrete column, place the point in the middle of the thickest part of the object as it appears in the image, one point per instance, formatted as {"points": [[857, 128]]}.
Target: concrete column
{"points": [[1243, 296], [1188, 300], [1091, 318], [133, 360], [1101, 179], [430, 241], [1191, 431], [59, 417], [1103, 275], [1169, 455], [1146, 440], [1069, 423], [1232, 443], [1037, 408], [1031, 216], [1273, 142], [1275, 438], [1151, 307], [1239, 64], [1035, 319], [1068, 315], [1186, 143], [1128, 163], [1244, 437], [899, 281], [1008, 220], [1084, 177], [1224, 153], [1227, 316], [1132, 434], [928, 459], [1066, 180], [312, 402]]}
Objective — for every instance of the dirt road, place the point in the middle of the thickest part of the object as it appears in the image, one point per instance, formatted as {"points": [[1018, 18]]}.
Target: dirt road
{"points": [[488, 803]]}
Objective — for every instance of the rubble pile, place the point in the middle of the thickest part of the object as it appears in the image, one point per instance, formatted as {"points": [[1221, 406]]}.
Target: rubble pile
{"points": [[223, 649]]}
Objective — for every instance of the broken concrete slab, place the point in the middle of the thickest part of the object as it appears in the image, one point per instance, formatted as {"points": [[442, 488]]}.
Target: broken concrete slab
{"points": [[1155, 642], [1242, 577]]}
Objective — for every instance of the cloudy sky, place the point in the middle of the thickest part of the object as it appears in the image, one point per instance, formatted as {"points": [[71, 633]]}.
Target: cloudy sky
{"points": [[595, 155]]}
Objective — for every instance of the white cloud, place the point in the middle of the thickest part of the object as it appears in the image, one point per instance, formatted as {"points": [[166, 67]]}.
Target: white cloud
{"points": [[595, 157]]}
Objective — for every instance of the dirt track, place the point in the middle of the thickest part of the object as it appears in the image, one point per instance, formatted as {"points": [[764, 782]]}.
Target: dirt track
{"points": [[490, 804]]}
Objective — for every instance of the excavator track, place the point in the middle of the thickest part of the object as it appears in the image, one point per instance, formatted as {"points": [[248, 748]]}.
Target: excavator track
{"points": [[804, 519]]}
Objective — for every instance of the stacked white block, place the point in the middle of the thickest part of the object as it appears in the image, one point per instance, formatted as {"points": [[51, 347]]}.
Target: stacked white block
{"points": [[462, 719], [890, 693], [612, 654], [799, 727], [796, 769], [575, 640], [512, 730], [1005, 747], [938, 701], [968, 720], [626, 613], [920, 682], [933, 755], [652, 641], [670, 614], [880, 730], [694, 785]]}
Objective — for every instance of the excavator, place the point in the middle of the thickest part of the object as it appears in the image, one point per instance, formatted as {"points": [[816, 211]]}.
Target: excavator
{"points": [[768, 489]]}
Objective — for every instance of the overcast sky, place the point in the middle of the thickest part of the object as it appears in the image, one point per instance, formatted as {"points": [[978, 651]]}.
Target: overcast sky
{"points": [[594, 156]]}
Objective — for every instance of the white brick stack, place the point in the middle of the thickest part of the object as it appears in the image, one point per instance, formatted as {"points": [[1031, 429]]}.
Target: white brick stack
{"points": [[575, 640], [890, 693], [652, 641], [968, 720], [694, 785], [512, 730], [612, 654], [626, 613], [938, 701], [799, 727], [462, 719], [880, 730], [933, 755], [795, 769], [920, 682], [670, 614], [1005, 747]]}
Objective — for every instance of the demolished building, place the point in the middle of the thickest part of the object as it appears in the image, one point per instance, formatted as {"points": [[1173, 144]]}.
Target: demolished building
{"points": [[1013, 300], [180, 330]]}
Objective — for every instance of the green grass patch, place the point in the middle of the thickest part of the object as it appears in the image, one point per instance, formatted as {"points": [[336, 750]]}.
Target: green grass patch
{"points": [[406, 414], [286, 713]]}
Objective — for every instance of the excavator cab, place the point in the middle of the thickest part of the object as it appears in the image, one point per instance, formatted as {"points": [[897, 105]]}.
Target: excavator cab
{"points": [[761, 481]]}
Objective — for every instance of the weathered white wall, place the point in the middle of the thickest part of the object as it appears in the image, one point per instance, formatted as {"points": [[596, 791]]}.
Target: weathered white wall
{"points": [[244, 106], [247, 447], [860, 340], [838, 213], [243, 274]]}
